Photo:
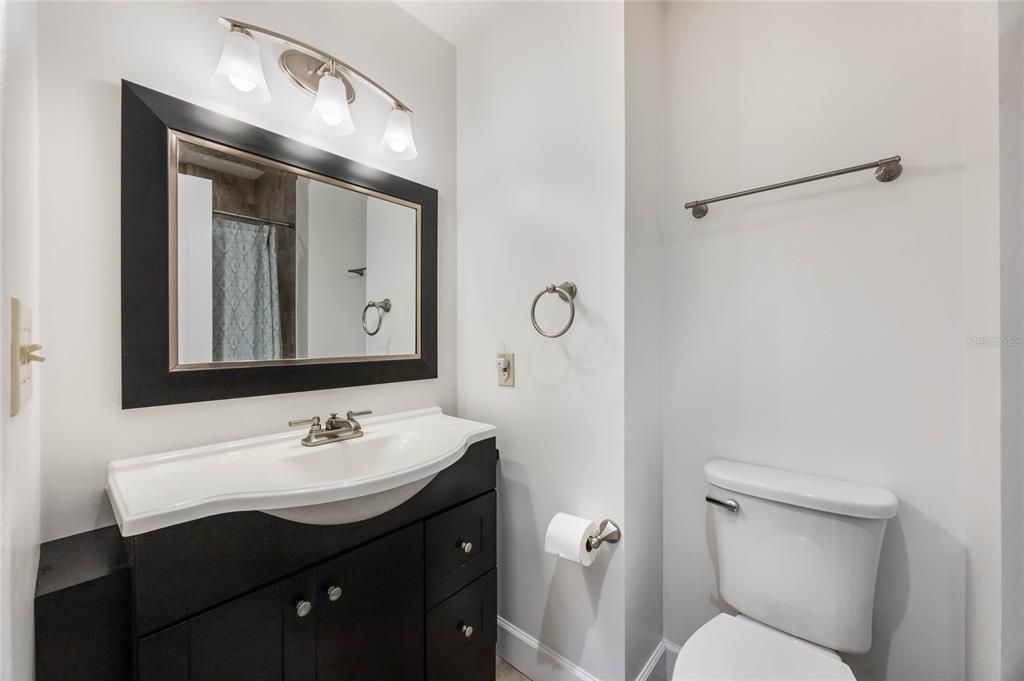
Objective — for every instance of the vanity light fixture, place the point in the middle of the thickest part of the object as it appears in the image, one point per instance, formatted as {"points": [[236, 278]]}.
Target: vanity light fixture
{"points": [[240, 66], [319, 74], [331, 106], [397, 138]]}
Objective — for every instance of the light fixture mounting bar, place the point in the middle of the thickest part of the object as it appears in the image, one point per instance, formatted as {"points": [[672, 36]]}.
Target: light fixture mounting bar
{"points": [[305, 72], [317, 54]]}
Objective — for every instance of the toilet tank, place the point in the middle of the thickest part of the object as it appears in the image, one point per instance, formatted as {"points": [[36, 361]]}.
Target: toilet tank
{"points": [[799, 552]]}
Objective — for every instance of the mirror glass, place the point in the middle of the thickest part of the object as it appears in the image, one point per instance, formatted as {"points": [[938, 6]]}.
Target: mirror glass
{"points": [[275, 264]]}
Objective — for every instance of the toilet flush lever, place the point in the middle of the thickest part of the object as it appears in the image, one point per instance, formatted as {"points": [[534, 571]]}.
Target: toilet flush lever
{"points": [[730, 505]]}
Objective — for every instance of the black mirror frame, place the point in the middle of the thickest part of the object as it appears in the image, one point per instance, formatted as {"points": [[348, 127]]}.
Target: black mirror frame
{"points": [[146, 378]]}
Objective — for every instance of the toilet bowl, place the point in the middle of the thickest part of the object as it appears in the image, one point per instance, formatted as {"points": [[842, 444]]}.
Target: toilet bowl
{"points": [[796, 555], [736, 648]]}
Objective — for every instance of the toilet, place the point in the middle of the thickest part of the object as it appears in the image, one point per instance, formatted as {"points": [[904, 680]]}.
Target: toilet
{"points": [[796, 557]]}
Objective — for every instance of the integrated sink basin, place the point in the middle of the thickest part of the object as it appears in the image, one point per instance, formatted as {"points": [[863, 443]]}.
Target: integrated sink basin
{"points": [[332, 484]]}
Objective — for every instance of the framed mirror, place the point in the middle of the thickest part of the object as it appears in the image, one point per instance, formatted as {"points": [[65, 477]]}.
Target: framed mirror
{"points": [[254, 264], [278, 264]]}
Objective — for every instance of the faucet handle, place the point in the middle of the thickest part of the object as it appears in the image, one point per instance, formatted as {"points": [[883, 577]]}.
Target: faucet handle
{"points": [[352, 414], [314, 421]]}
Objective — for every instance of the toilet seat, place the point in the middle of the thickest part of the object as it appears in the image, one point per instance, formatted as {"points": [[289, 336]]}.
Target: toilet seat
{"points": [[738, 648]]}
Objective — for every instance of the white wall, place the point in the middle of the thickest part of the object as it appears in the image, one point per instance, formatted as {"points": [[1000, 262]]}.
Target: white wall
{"points": [[646, 166], [330, 240], [173, 47], [19, 445], [391, 273], [822, 328], [541, 200]]}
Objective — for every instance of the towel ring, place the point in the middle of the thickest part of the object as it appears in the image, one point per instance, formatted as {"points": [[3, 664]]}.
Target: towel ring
{"points": [[381, 306], [567, 292]]}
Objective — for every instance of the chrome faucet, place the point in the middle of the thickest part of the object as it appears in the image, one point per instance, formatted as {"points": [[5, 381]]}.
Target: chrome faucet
{"points": [[335, 430]]}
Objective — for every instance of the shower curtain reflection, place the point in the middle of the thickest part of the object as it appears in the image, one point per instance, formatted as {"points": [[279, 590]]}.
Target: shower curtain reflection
{"points": [[246, 296]]}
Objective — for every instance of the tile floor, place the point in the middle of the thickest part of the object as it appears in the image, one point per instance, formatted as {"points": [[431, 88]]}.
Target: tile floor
{"points": [[507, 672]]}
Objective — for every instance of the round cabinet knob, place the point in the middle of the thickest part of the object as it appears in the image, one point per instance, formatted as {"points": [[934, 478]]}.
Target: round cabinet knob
{"points": [[467, 630], [303, 608], [466, 546], [333, 593]]}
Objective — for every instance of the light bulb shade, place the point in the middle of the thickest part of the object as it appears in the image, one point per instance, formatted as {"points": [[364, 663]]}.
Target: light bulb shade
{"points": [[398, 141], [330, 110], [240, 68]]}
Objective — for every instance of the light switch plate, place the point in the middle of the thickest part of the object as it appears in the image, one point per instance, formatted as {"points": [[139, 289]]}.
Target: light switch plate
{"points": [[21, 373], [507, 376]]}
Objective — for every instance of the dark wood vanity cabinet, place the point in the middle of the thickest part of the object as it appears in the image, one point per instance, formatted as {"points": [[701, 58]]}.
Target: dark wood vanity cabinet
{"points": [[409, 595], [358, 616]]}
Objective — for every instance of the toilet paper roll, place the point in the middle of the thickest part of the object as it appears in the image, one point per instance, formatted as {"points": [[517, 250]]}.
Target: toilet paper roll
{"points": [[567, 538]]}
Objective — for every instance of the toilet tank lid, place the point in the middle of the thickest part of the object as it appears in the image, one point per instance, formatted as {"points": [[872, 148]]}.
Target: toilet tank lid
{"points": [[799, 489]]}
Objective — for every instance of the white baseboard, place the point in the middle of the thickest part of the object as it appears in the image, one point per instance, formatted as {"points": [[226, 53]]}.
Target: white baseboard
{"points": [[671, 653], [541, 663], [660, 663], [652, 662], [533, 658]]}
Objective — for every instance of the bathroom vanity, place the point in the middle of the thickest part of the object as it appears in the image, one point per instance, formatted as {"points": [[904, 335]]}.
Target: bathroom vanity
{"points": [[245, 595], [253, 264], [406, 595]]}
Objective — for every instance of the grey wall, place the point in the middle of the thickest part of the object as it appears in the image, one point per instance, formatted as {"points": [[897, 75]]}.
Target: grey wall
{"points": [[1011, 174], [644, 310]]}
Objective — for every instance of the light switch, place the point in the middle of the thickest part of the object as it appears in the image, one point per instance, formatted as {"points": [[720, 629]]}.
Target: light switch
{"points": [[23, 353]]}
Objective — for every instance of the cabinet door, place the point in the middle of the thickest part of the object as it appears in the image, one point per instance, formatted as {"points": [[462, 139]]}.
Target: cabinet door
{"points": [[373, 628], [258, 637], [238, 641]]}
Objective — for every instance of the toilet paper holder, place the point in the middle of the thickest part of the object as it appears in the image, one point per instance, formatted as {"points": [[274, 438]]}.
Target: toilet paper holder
{"points": [[607, 533]]}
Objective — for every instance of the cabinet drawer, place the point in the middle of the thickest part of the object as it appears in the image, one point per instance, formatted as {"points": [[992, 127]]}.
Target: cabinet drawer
{"points": [[460, 546], [452, 655]]}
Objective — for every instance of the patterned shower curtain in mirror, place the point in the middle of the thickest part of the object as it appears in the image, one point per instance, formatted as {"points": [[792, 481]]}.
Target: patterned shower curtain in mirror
{"points": [[246, 308]]}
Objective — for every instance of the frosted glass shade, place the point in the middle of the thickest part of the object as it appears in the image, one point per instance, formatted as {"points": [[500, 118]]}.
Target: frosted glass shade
{"points": [[398, 141], [240, 68], [330, 110]]}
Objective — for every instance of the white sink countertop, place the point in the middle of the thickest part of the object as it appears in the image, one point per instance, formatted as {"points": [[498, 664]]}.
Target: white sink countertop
{"points": [[331, 483]]}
